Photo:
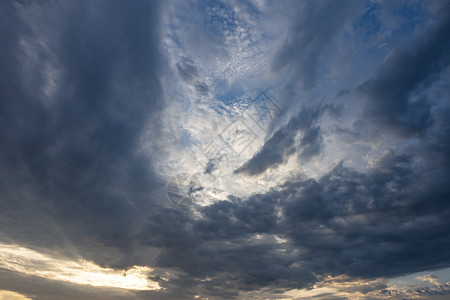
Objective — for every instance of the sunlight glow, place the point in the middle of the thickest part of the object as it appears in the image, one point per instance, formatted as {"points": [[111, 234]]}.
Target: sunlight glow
{"points": [[8, 295], [30, 262]]}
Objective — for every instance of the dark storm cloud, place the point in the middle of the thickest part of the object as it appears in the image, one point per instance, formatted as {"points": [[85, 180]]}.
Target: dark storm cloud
{"points": [[219, 246], [79, 82], [282, 144], [316, 25], [371, 225], [390, 221], [406, 73], [69, 172]]}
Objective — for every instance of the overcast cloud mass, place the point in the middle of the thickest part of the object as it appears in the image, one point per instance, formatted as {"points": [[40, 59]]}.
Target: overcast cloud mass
{"points": [[224, 149]]}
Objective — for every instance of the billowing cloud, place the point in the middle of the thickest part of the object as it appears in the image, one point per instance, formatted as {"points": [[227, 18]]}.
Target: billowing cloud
{"points": [[284, 142], [104, 104], [362, 225], [395, 95], [79, 82]]}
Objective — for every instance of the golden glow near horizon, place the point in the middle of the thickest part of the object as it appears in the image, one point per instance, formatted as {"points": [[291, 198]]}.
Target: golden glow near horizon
{"points": [[339, 286], [30, 262], [9, 295]]}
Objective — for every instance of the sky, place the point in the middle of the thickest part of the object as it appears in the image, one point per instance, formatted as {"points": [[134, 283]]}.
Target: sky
{"points": [[248, 149]]}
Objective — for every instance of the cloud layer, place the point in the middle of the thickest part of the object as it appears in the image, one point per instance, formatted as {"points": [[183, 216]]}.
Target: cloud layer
{"points": [[102, 103]]}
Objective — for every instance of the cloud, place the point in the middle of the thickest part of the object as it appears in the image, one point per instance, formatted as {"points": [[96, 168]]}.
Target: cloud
{"points": [[430, 278], [439, 292], [189, 73], [282, 144], [394, 95], [29, 262], [82, 196], [316, 25], [367, 214], [8, 295], [71, 176], [187, 69], [34, 287], [362, 225]]}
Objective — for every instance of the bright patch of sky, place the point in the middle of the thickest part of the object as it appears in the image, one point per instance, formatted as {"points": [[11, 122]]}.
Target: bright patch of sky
{"points": [[220, 55]]}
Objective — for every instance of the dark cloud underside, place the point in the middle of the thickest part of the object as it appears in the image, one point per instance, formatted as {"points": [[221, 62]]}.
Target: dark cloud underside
{"points": [[81, 82], [394, 95], [69, 158], [282, 144]]}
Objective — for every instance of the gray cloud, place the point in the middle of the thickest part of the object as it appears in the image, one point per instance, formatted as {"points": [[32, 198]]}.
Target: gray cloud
{"points": [[187, 69], [364, 225], [316, 25], [439, 292], [80, 81], [282, 144], [189, 73], [202, 88], [69, 172], [408, 70]]}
